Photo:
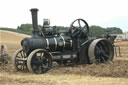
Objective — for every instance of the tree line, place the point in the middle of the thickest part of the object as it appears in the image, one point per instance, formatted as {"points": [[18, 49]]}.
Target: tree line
{"points": [[96, 31]]}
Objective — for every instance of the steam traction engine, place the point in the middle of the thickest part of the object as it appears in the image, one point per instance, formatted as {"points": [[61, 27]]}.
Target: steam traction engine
{"points": [[71, 47]]}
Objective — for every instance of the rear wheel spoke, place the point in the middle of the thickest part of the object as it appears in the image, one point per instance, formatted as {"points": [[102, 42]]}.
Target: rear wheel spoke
{"points": [[100, 48]]}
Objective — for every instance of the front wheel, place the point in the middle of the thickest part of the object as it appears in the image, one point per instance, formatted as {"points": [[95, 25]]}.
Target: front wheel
{"points": [[19, 60], [39, 61]]}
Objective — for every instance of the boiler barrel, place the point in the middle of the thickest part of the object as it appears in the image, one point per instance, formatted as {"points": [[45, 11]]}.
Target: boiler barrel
{"points": [[59, 43], [51, 44]]}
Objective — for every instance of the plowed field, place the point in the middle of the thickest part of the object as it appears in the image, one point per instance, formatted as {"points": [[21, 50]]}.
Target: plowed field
{"points": [[114, 73]]}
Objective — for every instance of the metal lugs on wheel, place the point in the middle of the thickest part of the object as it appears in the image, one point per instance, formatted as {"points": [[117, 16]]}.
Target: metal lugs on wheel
{"points": [[100, 51]]}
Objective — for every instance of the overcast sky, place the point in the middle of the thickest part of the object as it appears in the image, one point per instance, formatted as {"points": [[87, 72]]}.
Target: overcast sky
{"points": [[104, 13]]}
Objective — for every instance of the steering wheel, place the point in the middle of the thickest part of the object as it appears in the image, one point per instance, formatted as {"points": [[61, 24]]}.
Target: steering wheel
{"points": [[77, 28]]}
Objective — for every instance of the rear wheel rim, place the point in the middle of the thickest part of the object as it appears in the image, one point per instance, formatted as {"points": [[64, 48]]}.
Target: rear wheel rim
{"points": [[100, 51]]}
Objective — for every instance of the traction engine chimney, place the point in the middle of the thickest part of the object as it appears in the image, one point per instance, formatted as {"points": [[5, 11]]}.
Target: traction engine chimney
{"points": [[34, 21]]}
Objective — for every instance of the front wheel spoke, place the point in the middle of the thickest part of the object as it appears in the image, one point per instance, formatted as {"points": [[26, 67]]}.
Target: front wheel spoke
{"points": [[106, 56], [18, 56], [46, 60], [22, 67], [98, 61], [45, 66], [42, 54], [35, 68], [24, 54], [19, 63], [38, 59], [19, 60], [103, 58], [40, 69], [21, 54]]}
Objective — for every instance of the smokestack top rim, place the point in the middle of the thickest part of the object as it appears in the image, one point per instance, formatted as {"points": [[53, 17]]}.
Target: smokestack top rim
{"points": [[34, 9]]}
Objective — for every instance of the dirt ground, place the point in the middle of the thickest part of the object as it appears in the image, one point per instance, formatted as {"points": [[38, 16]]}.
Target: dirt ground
{"points": [[114, 73]]}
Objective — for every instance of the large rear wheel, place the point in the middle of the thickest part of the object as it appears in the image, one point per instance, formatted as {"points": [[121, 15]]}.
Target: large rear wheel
{"points": [[100, 51]]}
